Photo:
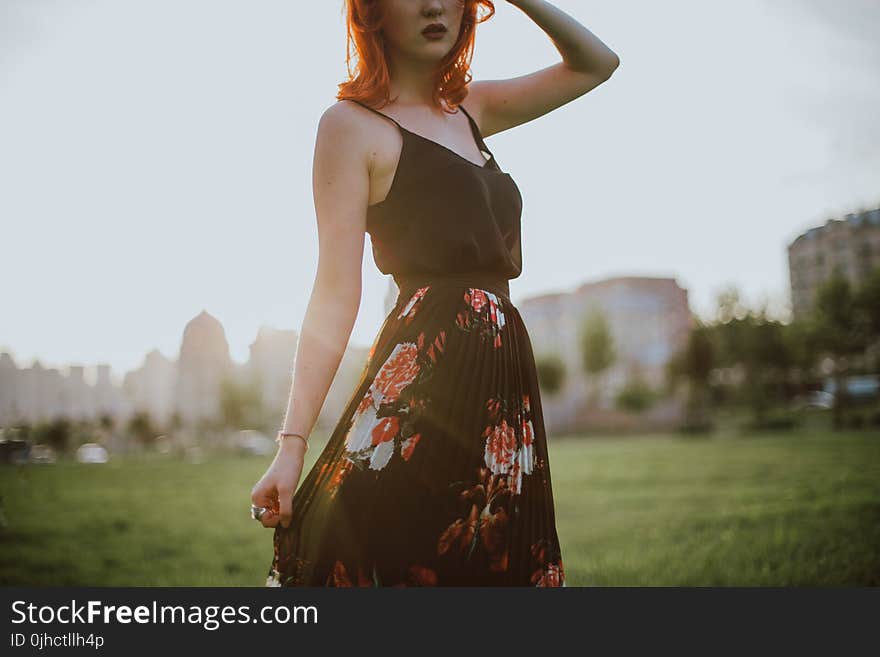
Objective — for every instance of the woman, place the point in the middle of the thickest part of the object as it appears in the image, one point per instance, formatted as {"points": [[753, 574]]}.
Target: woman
{"points": [[437, 474]]}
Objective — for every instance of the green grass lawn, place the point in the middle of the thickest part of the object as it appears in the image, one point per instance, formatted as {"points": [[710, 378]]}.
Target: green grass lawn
{"points": [[787, 509]]}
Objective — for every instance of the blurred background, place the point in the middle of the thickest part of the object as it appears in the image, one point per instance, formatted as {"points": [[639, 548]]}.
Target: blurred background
{"points": [[701, 283]]}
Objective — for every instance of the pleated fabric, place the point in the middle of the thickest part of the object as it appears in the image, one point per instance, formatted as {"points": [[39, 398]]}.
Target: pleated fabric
{"points": [[437, 473]]}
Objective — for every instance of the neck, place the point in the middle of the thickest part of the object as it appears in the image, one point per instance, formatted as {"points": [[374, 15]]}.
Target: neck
{"points": [[411, 81]]}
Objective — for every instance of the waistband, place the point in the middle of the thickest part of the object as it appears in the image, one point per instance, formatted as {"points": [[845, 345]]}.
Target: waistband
{"points": [[491, 281]]}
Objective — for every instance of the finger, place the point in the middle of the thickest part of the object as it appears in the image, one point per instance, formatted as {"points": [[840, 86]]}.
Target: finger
{"points": [[285, 503], [264, 497], [269, 519]]}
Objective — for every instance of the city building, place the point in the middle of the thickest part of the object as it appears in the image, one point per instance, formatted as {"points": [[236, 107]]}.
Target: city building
{"points": [[649, 320], [202, 365], [150, 388], [850, 245], [42, 394]]}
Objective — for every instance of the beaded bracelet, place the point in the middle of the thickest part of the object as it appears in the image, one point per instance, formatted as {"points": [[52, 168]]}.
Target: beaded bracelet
{"points": [[284, 434]]}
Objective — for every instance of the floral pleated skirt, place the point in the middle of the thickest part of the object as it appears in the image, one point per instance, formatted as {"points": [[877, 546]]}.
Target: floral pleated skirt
{"points": [[437, 473]]}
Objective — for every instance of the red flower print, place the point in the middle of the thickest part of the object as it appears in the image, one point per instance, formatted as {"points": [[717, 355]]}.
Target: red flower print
{"points": [[437, 346], [421, 576], [528, 433], [382, 454], [385, 430], [397, 372], [389, 411], [458, 537], [539, 551], [514, 478], [552, 576], [409, 310], [486, 527], [493, 531], [500, 447], [339, 576], [478, 299], [366, 402], [417, 405], [505, 452], [475, 494], [343, 469], [548, 573], [371, 438], [483, 312], [493, 408], [497, 313], [408, 445]]}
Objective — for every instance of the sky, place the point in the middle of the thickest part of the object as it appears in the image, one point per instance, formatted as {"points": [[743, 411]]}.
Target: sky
{"points": [[155, 159]]}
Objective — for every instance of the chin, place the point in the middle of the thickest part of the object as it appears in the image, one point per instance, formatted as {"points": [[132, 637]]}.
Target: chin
{"points": [[432, 55], [443, 47]]}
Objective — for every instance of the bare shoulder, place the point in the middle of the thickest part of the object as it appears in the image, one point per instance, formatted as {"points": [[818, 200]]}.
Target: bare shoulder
{"points": [[342, 113], [341, 130], [340, 175]]}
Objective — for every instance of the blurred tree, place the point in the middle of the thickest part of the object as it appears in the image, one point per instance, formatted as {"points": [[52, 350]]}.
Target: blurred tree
{"points": [[729, 305], [767, 361], [801, 345], [867, 301], [241, 404], [597, 349], [754, 345], [106, 422], [140, 426], [551, 373], [57, 433], [694, 364], [636, 396], [837, 331], [867, 307], [761, 362]]}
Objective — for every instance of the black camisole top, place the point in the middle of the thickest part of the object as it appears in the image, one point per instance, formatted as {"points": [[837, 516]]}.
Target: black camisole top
{"points": [[445, 214]]}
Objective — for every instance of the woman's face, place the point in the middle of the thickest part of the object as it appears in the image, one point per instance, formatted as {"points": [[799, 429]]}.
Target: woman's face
{"points": [[404, 21]]}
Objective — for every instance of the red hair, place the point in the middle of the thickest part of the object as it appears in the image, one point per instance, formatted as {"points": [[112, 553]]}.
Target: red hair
{"points": [[370, 81]]}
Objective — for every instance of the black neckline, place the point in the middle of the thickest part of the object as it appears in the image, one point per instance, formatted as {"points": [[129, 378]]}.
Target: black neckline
{"points": [[485, 164], [475, 133], [394, 180]]}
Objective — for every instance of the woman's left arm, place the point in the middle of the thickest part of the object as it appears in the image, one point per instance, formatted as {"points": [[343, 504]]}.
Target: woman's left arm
{"points": [[586, 63]]}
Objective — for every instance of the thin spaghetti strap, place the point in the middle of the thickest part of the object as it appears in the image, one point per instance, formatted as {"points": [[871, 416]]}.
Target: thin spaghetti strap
{"points": [[475, 129], [378, 112]]}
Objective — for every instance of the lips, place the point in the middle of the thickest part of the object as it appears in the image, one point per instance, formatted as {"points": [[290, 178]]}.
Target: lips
{"points": [[435, 28]]}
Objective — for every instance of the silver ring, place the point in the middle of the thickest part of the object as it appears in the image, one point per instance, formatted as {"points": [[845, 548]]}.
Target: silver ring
{"points": [[257, 511]]}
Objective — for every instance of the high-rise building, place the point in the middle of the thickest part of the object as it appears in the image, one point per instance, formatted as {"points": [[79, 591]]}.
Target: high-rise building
{"points": [[270, 365], [850, 245], [150, 388], [648, 319], [203, 364]]}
